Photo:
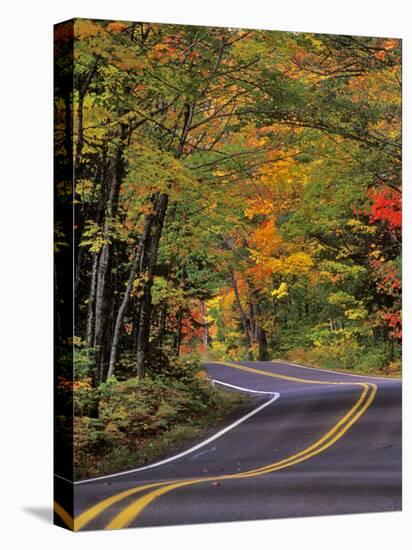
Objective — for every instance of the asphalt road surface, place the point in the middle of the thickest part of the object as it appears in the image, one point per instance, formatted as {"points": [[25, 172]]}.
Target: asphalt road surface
{"points": [[312, 442]]}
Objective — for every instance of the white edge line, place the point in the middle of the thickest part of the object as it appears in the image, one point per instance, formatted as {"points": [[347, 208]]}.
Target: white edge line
{"points": [[244, 389], [275, 395], [280, 362]]}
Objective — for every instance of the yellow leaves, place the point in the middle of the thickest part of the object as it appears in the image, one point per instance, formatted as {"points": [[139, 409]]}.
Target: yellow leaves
{"points": [[85, 28], [271, 255], [227, 301], [318, 44], [76, 341], [84, 384], [93, 237], [280, 292], [249, 50], [356, 314], [298, 263], [213, 303], [222, 309], [258, 206], [138, 285], [84, 189], [280, 181], [376, 254], [219, 173], [357, 226]]}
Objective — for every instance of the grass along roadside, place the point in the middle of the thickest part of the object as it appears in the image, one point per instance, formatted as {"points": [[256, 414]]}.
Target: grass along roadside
{"points": [[308, 358], [143, 421]]}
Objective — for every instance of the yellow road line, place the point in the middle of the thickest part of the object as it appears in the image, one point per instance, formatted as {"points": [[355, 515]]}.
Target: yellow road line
{"points": [[330, 433], [127, 515], [86, 516], [284, 376], [63, 515], [95, 510], [98, 508]]}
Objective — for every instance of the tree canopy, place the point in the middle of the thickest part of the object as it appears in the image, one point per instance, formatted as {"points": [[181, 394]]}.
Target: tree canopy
{"points": [[237, 192]]}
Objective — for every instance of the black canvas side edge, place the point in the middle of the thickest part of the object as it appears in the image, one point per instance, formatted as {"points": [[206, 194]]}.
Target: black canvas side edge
{"points": [[63, 275]]}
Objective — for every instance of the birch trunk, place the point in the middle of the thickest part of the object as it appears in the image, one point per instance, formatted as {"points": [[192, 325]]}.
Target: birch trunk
{"points": [[136, 268], [143, 334]]}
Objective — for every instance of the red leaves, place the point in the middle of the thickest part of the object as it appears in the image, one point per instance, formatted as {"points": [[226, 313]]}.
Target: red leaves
{"points": [[387, 278], [389, 283], [394, 321], [387, 207]]}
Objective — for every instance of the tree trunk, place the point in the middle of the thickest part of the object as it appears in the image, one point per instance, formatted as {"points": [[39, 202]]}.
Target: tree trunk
{"points": [[82, 90], [162, 325], [178, 339], [260, 334], [242, 316], [143, 334], [103, 287], [136, 268], [91, 303], [84, 83], [102, 301], [205, 335]]}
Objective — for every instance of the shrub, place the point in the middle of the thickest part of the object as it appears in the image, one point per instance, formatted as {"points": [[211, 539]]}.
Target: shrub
{"points": [[141, 418], [342, 350]]}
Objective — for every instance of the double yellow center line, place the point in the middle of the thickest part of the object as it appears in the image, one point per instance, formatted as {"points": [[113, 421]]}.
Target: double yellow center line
{"points": [[130, 512]]}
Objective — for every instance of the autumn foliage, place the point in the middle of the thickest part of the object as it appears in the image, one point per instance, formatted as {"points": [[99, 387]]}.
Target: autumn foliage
{"points": [[387, 207], [237, 193]]}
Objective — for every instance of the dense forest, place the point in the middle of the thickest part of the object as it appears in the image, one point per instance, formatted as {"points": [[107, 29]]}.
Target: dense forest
{"points": [[237, 194]]}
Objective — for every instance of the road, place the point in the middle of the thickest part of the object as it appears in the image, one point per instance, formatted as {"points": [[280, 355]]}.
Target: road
{"points": [[315, 442]]}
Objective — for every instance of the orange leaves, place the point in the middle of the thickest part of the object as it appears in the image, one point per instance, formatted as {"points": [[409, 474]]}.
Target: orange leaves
{"points": [[380, 55], [129, 63], [116, 27], [391, 43], [259, 206], [265, 240], [164, 52], [261, 275], [264, 245], [387, 47]]}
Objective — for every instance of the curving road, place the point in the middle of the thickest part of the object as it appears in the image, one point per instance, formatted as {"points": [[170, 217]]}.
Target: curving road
{"points": [[314, 442]]}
